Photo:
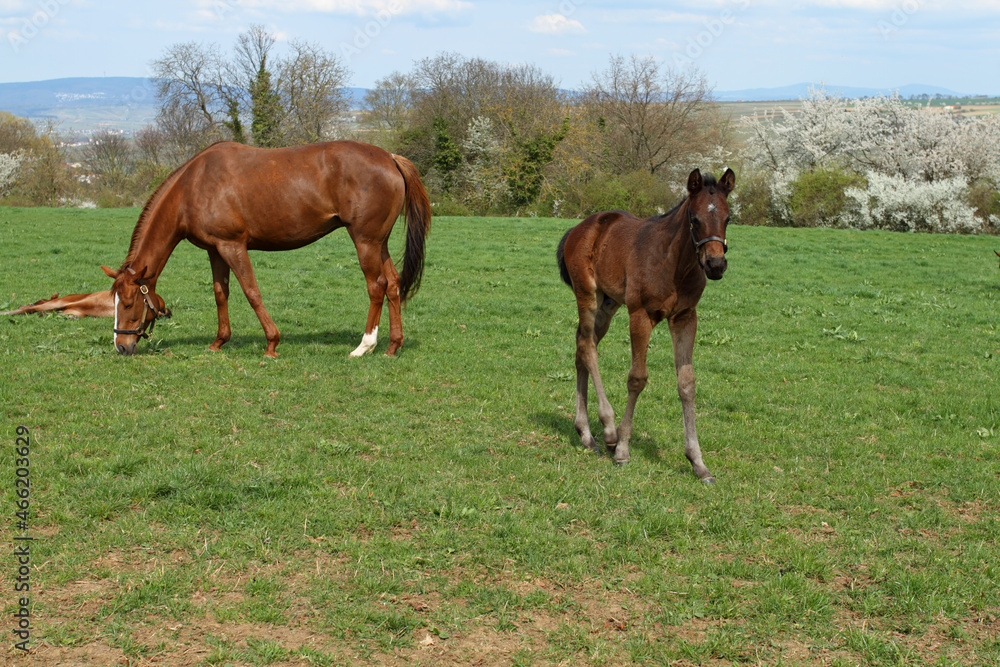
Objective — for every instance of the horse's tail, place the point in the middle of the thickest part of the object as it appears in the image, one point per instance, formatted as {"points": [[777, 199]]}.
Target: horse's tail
{"points": [[561, 258], [417, 208]]}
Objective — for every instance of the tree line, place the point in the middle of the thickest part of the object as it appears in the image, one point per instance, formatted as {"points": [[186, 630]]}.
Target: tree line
{"points": [[488, 137], [498, 138]]}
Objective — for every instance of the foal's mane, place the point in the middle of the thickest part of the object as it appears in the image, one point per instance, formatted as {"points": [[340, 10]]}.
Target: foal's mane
{"points": [[708, 180]]}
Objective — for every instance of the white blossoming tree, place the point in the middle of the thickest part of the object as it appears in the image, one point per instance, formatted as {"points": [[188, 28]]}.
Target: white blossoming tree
{"points": [[10, 164], [918, 165]]}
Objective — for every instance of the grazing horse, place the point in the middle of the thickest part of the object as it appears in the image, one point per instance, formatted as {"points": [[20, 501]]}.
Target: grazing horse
{"points": [[95, 304], [657, 268], [232, 198]]}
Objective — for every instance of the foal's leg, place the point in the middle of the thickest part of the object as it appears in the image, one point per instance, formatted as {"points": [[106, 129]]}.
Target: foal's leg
{"points": [[370, 257], [235, 255], [640, 327], [683, 330], [586, 365], [220, 285]]}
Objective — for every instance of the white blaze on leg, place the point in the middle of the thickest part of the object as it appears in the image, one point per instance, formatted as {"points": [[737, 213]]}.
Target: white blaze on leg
{"points": [[113, 335], [367, 343]]}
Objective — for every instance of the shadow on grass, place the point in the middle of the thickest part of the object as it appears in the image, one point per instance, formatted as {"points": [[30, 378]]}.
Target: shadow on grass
{"points": [[345, 339], [559, 424]]}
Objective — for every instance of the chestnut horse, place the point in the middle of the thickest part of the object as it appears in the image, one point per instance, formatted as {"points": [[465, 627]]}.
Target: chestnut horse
{"points": [[232, 198], [657, 268]]}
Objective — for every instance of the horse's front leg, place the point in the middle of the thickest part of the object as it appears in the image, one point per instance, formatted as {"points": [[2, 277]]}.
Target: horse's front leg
{"points": [[235, 255], [220, 286], [683, 330]]}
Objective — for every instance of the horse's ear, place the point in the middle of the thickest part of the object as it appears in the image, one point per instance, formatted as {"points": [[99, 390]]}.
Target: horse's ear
{"points": [[728, 181], [695, 181], [110, 273]]}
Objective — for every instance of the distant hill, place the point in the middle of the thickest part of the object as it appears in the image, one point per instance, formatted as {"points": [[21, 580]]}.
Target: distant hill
{"points": [[85, 104], [800, 90]]}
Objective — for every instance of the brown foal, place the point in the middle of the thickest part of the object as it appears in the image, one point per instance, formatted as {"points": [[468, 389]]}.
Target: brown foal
{"points": [[657, 267]]}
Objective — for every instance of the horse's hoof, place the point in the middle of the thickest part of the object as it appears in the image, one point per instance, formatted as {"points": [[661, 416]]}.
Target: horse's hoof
{"points": [[620, 463], [708, 480]]}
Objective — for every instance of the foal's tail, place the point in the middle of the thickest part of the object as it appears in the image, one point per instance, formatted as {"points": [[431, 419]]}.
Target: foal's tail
{"points": [[417, 208], [561, 258]]}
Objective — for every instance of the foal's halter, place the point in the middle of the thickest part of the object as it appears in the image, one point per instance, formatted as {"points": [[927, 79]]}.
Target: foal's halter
{"points": [[147, 305], [698, 244]]}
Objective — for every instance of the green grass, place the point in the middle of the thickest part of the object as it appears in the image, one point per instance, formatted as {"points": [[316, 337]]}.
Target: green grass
{"points": [[317, 509]]}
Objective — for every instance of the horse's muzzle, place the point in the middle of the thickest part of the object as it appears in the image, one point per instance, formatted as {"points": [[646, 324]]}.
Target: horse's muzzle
{"points": [[126, 350], [714, 266]]}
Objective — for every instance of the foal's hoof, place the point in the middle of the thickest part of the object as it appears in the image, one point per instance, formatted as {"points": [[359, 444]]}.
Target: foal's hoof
{"points": [[708, 480]]}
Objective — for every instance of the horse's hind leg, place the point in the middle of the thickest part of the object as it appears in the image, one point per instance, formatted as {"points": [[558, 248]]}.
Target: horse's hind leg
{"points": [[220, 285], [370, 257], [592, 321], [239, 261], [395, 305]]}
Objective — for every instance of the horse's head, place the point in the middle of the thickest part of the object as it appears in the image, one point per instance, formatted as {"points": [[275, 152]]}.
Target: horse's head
{"points": [[136, 308], [708, 215]]}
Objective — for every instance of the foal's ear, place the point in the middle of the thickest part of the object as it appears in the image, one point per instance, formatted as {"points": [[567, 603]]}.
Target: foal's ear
{"points": [[695, 182], [728, 181], [110, 273]]}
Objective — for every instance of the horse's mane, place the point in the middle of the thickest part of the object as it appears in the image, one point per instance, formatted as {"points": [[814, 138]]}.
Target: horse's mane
{"points": [[708, 180], [144, 216]]}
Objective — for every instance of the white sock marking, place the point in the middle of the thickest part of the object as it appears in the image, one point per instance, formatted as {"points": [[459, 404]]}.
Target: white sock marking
{"points": [[114, 335], [367, 343]]}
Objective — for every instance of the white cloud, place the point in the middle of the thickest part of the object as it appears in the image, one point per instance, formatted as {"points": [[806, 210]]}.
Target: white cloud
{"points": [[556, 24]]}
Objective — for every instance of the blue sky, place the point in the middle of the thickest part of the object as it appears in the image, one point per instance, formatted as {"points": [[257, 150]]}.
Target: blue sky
{"points": [[737, 44]]}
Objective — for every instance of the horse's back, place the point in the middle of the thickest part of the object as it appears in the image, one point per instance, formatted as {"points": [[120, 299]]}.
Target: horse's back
{"points": [[285, 198]]}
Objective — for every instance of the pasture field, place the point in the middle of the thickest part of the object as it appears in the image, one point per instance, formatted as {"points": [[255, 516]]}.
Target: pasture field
{"points": [[199, 508]]}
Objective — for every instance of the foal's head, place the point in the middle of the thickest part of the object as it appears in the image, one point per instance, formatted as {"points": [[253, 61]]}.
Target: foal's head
{"points": [[708, 215], [136, 308]]}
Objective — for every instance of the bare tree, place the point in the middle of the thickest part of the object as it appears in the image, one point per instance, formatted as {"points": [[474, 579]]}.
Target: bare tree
{"points": [[110, 157], [311, 86], [151, 144], [389, 102], [190, 76], [650, 115]]}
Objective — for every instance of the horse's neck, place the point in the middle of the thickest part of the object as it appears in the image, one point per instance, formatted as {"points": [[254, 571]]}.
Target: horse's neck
{"points": [[157, 240]]}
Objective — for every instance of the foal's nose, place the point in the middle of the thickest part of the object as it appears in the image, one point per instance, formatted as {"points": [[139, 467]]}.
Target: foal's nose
{"points": [[715, 266]]}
